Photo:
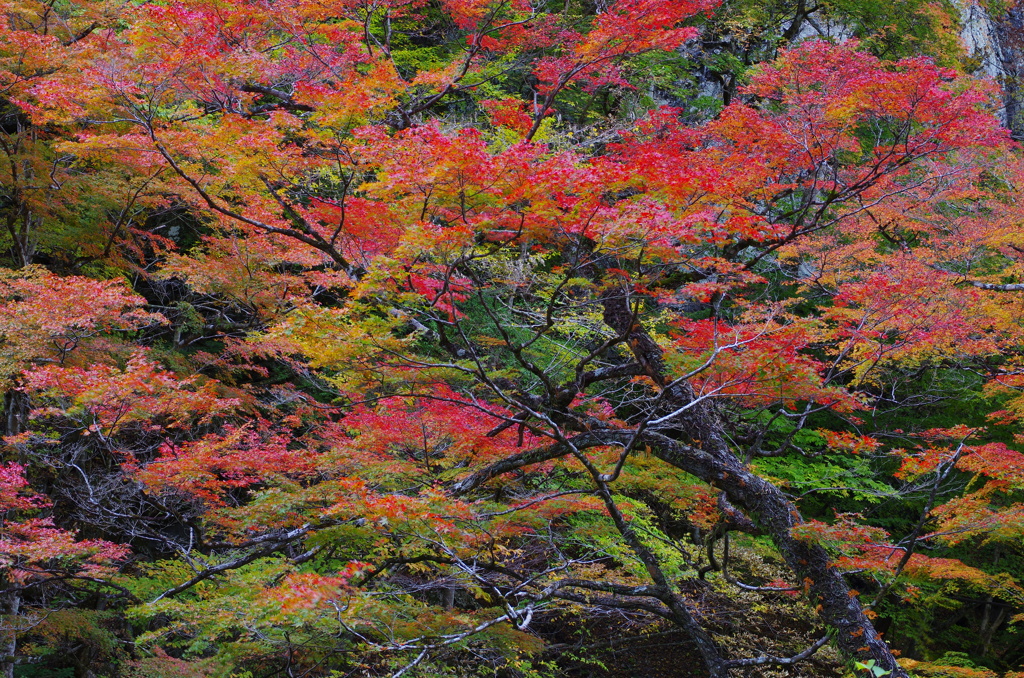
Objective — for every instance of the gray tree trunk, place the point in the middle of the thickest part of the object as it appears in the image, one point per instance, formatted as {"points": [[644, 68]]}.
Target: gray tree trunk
{"points": [[10, 606]]}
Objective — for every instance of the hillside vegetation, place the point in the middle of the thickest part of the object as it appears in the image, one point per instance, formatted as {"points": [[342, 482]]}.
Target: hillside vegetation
{"points": [[511, 338]]}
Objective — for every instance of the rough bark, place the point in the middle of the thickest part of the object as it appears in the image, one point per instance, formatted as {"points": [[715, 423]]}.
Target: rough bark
{"points": [[16, 407], [10, 606]]}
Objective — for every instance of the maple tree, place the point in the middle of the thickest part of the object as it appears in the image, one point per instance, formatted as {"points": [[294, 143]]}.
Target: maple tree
{"points": [[55, 206], [449, 339], [36, 553]]}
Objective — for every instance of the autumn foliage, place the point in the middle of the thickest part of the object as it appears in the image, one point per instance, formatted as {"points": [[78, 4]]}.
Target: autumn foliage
{"points": [[408, 338]]}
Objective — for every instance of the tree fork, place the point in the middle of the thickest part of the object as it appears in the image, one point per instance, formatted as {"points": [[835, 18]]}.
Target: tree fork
{"points": [[714, 463], [776, 515]]}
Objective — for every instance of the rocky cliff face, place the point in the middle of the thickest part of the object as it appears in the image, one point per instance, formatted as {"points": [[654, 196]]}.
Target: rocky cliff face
{"points": [[1010, 38], [994, 39]]}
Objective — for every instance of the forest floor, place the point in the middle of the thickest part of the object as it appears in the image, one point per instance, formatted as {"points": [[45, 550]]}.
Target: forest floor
{"points": [[633, 646], [669, 654]]}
